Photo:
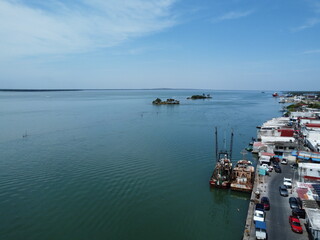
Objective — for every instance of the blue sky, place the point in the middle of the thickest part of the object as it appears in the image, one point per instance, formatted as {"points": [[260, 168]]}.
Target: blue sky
{"points": [[211, 44]]}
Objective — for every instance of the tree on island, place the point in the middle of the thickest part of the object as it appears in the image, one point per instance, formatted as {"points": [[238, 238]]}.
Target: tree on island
{"points": [[169, 101], [157, 101], [203, 96]]}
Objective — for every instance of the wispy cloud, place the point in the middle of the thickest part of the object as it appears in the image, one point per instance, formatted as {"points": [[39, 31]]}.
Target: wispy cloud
{"points": [[314, 51], [308, 24], [315, 4], [233, 15], [60, 28]]}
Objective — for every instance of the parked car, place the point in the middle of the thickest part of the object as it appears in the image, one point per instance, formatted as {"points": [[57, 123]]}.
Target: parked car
{"points": [[293, 203], [284, 161], [275, 160], [266, 203], [258, 216], [295, 224], [287, 182], [267, 167], [259, 206], [299, 212], [299, 202], [277, 169], [283, 191], [261, 230]]}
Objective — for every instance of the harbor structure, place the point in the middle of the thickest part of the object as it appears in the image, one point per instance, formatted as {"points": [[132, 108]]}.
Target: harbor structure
{"points": [[294, 138]]}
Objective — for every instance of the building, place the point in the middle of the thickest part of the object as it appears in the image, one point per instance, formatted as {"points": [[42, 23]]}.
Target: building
{"points": [[313, 222], [309, 171]]}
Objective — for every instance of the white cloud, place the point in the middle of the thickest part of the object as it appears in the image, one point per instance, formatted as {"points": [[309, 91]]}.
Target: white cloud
{"points": [[308, 24], [58, 28], [234, 15], [312, 51]]}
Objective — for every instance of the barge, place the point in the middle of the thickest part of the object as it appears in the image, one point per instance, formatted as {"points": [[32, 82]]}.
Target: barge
{"points": [[243, 176]]}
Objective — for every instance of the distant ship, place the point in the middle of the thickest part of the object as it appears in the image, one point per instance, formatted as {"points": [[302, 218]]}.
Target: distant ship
{"points": [[25, 135], [221, 176], [275, 94]]}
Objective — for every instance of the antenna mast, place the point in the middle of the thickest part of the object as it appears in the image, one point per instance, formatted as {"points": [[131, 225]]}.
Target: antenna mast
{"points": [[216, 133], [231, 143]]}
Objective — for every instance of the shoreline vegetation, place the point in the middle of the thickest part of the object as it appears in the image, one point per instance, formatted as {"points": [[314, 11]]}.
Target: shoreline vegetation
{"points": [[297, 93], [203, 96], [158, 101], [299, 106]]}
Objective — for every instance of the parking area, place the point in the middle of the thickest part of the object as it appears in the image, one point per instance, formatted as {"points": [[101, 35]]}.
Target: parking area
{"points": [[277, 218]]}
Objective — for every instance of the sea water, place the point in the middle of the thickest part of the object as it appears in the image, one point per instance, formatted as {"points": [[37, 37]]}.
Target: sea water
{"points": [[108, 164]]}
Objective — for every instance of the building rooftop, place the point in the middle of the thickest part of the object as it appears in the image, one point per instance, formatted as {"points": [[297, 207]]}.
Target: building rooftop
{"points": [[314, 218], [265, 139]]}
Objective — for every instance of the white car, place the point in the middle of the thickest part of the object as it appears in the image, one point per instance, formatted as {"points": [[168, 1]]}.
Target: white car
{"points": [[287, 182], [267, 167], [258, 216], [284, 161]]}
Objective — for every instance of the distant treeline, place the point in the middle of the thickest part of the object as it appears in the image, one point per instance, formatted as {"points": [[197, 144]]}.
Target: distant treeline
{"points": [[297, 93]]}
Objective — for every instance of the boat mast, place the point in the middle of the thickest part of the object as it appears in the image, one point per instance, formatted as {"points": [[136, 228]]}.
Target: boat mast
{"points": [[216, 133], [231, 143]]}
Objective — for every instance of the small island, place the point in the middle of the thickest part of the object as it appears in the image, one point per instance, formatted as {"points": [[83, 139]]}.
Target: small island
{"points": [[203, 96], [158, 101]]}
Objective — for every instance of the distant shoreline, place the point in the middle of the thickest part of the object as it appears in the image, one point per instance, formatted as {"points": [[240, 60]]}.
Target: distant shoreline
{"points": [[71, 90], [39, 90], [134, 89]]}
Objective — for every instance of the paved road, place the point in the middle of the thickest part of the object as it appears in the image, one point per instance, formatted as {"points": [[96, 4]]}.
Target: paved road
{"points": [[277, 219]]}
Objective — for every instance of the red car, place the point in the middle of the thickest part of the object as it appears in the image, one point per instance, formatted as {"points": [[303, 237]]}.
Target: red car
{"points": [[266, 203], [295, 224]]}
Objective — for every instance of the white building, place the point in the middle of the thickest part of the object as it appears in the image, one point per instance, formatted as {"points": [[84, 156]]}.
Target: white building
{"points": [[309, 171], [313, 222]]}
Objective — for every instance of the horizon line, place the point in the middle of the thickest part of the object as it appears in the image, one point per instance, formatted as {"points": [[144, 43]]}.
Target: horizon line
{"points": [[102, 89]]}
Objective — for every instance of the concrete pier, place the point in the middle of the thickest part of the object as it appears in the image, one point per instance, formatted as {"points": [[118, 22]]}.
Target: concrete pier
{"points": [[260, 185]]}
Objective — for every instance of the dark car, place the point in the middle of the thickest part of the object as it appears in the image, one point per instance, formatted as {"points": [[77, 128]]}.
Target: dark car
{"points": [[299, 202], [293, 203], [275, 160], [298, 212], [266, 203], [283, 191], [259, 206], [277, 169], [294, 166]]}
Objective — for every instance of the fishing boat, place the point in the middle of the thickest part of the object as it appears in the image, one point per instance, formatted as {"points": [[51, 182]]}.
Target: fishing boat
{"points": [[275, 94], [242, 176], [249, 148], [25, 135], [221, 176]]}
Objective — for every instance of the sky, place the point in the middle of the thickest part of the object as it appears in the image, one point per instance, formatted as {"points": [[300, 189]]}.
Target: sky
{"points": [[202, 44]]}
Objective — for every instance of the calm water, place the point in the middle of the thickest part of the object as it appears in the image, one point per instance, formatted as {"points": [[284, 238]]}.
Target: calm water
{"points": [[110, 165]]}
